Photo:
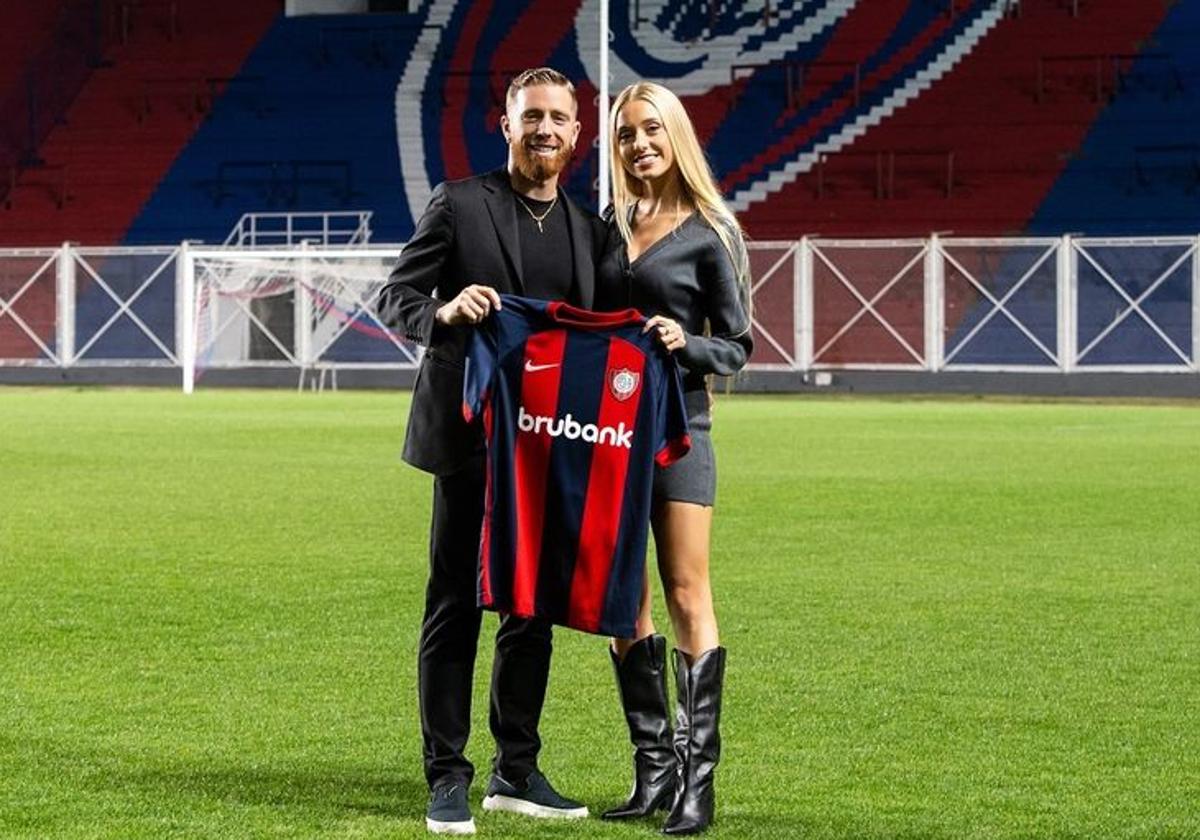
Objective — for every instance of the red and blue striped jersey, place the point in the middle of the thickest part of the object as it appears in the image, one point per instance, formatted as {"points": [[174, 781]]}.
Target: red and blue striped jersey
{"points": [[577, 408]]}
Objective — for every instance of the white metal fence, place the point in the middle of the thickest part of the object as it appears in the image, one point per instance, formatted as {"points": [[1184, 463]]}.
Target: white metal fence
{"points": [[76, 307], [1056, 304], [1050, 304]]}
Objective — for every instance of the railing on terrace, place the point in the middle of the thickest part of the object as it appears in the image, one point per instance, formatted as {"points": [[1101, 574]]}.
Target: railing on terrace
{"points": [[797, 75], [256, 230], [882, 162], [1035, 304], [1104, 75]]}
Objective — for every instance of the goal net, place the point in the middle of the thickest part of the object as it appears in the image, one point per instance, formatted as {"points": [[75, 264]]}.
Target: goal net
{"points": [[310, 309]]}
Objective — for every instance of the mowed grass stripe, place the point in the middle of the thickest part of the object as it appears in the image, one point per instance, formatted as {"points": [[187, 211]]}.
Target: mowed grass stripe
{"points": [[945, 619]]}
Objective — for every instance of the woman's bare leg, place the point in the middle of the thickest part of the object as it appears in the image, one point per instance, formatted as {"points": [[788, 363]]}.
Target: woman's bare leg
{"points": [[681, 533]]}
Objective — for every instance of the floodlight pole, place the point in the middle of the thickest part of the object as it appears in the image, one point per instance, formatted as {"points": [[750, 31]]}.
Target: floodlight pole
{"points": [[602, 103]]}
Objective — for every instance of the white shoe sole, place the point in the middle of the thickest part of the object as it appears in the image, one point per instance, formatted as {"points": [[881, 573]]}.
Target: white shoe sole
{"points": [[438, 827], [498, 802]]}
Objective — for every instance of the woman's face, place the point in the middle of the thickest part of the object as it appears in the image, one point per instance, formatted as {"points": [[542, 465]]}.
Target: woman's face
{"points": [[643, 142]]}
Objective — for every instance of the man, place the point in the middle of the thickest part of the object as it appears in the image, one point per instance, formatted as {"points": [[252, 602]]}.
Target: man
{"points": [[510, 231]]}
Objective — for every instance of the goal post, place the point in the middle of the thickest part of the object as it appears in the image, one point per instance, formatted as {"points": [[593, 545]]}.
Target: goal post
{"points": [[307, 308]]}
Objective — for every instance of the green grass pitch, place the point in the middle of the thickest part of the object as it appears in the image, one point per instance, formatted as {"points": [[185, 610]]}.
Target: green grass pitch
{"points": [[945, 619]]}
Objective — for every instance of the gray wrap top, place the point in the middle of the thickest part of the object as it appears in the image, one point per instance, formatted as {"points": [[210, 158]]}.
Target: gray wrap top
{"points": [[687, 276]]}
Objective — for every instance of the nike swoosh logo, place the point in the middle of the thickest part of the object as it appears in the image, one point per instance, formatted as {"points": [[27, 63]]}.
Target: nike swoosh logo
{"points": [[530, 367]]}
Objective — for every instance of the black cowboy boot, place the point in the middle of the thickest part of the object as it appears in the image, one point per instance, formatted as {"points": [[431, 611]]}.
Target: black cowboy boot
{"points": [[697, 740], [640, 679]]}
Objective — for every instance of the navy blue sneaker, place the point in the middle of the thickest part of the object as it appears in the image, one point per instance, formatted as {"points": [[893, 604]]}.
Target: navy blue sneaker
{"points": [[448, 812], [533, 797]]}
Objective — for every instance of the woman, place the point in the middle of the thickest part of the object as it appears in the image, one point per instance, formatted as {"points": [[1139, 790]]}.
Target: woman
{"points": [[679, 257]]}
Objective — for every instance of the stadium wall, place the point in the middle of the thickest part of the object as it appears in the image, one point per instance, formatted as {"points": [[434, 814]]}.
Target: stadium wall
{"points": [[842, 118]]}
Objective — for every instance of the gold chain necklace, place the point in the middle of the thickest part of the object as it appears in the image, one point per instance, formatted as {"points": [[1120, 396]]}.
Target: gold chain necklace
{"points": [[535, 216]]}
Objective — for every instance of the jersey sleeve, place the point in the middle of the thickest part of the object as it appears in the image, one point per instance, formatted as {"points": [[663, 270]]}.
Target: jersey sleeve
{"points": [[673, 441], [482, 353]]}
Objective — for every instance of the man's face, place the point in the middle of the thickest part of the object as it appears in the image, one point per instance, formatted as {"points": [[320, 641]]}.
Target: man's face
{"points": [[541, 130]]}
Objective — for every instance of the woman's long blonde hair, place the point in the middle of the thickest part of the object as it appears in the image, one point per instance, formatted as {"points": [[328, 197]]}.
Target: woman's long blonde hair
{"points": [[699, 185]]}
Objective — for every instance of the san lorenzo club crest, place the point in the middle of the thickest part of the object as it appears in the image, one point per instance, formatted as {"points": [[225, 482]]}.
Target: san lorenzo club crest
{"points": [[623, 383]]}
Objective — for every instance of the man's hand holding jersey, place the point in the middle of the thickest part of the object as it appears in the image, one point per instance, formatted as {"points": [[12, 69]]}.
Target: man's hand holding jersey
{"points": [[470, 306]]}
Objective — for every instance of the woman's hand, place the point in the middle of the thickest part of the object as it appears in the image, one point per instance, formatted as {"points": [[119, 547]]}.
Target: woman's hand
{"points": [[670, 334]]}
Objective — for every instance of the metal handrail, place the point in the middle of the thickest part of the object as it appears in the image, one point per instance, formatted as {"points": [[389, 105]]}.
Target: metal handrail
{"points": [[256, 230], [796, 73]]}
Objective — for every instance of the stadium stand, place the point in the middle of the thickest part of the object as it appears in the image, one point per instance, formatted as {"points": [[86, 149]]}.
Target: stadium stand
{"points": [[46, 51], [1137, 170], [107, 145], [976, 152], [895, 117], [266, 147], [840, 118], [119, 136], [28, 28]]}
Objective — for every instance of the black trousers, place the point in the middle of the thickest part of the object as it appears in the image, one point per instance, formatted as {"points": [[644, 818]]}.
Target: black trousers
{"points": [[449, 637]]}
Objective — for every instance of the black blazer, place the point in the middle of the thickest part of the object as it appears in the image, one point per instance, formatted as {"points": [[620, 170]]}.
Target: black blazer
{"points": [[468, 234]]}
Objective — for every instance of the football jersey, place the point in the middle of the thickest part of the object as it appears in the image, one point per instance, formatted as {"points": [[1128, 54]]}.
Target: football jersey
{"points": [[577, 408]]}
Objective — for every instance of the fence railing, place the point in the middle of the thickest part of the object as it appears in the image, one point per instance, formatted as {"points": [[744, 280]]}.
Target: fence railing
{"points": [[1035, 304], [1058, 304], [255, 230]]}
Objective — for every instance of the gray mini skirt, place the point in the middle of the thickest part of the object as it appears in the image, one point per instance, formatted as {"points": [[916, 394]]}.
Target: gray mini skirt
{"points": [[693, 478]]}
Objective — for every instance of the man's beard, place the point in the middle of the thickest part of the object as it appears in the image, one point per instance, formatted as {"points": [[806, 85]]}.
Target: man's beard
{"points": [[536, 168]]}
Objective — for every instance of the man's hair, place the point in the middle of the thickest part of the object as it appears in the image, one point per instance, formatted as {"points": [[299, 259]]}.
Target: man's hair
{"points": [[538, 76]]}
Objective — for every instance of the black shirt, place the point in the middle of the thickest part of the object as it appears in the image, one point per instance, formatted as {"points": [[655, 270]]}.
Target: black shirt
{"points": [[546, 257]]}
